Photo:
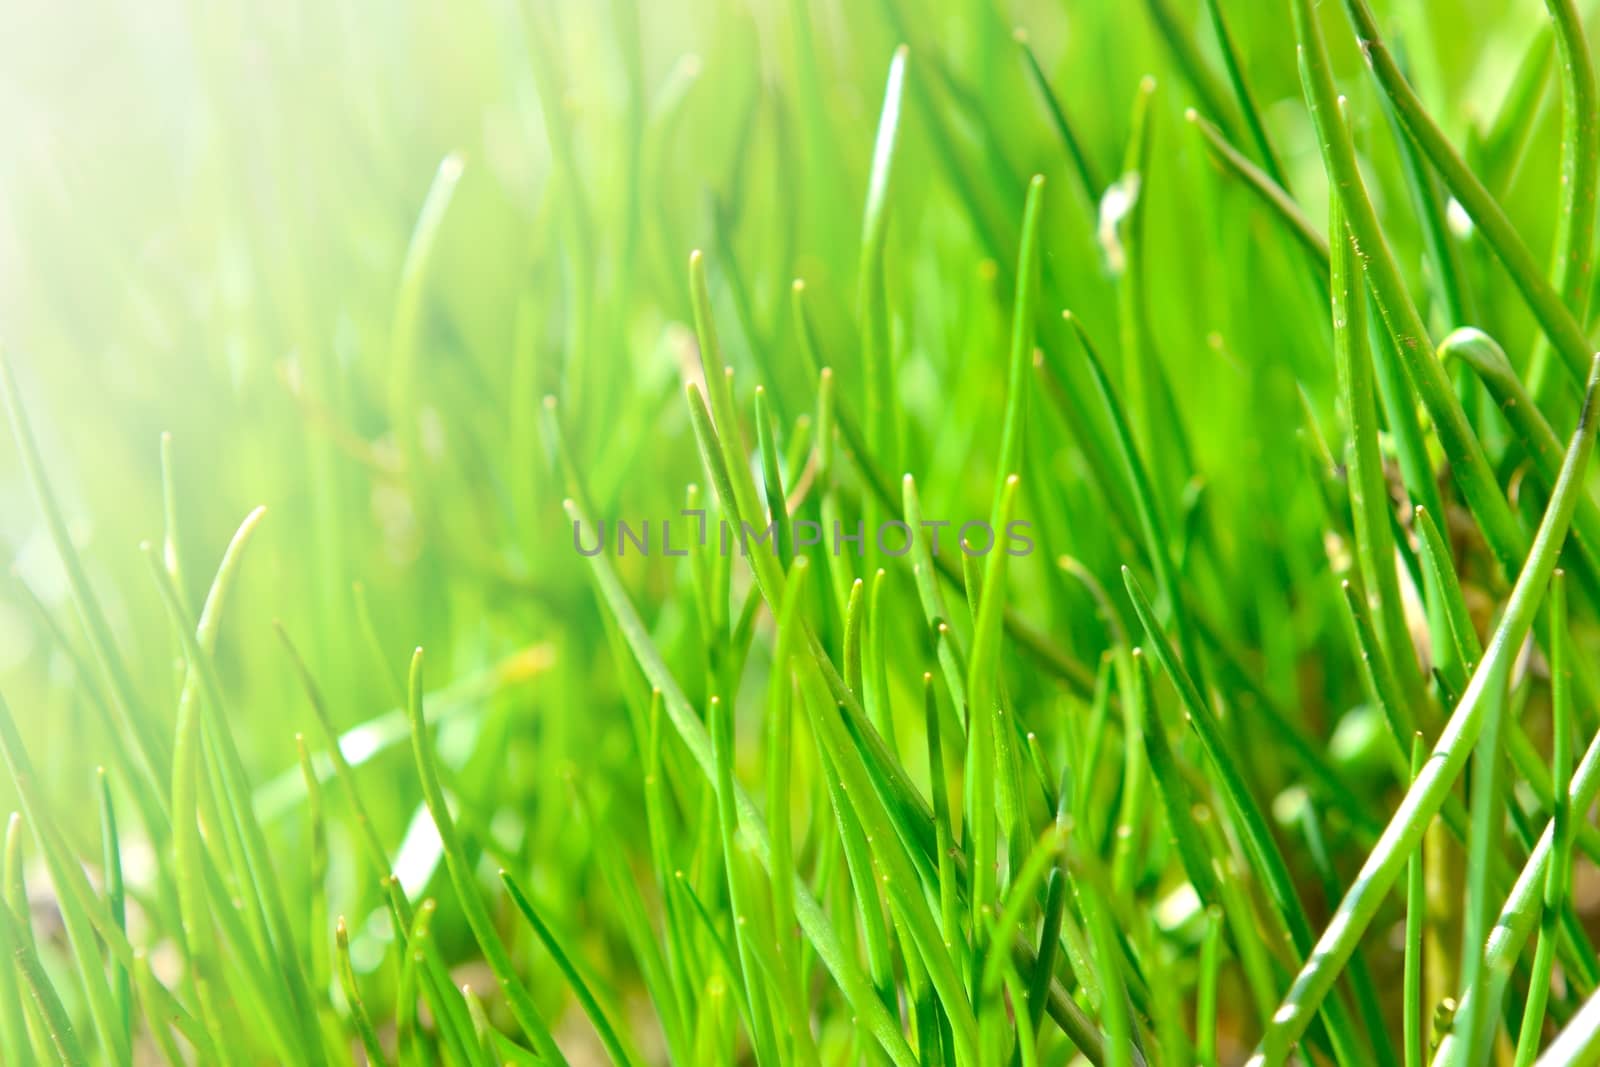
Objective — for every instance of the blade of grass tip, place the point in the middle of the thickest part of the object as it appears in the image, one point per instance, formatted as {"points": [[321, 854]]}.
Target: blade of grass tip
{"points": [[1266, 189], [854, 609], [104, 1012], [203, 689], [316, 962], [57, 1023], [1461, 446], [1369, 497], [1427, 794], [1242, 94], [591, 1006], [133, 717], [1558, 870], [116, 899], [1088, 181], [1558, 323], [1416, 914], [763, 1034], [360, 1019], [466, 885], [1244, 812], [880, 710]]}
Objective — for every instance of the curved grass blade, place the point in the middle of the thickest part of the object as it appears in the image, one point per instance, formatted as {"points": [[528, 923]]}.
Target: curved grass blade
{"points": [[1242, 94], [780, 766], [1427, 794], [1369, 495], [57, 1023], [366, 834], [1249, 822], [1088, 181], [597, 1015], [1579, 1043], [1151, 524], [203, 691], [103, 1009], [1181, 43], [466, 886], [156, 1024], [366, 1033], [1558, 871], [147, 756], [720, 723], [116, 900], [1267, 190]]}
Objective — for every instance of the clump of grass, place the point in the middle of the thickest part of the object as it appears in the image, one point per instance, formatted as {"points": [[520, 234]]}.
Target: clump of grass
{"points": [[1277, 742]]}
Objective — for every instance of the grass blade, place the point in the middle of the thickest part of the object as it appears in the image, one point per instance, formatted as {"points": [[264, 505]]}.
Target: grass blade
{"points": [[466, 885]]}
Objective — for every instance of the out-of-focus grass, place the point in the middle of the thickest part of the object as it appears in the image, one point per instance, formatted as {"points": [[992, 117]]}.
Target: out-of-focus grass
{"points": [[343, 252]]}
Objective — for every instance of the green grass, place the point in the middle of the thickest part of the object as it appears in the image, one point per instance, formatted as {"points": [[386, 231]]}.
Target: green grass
{"points": [[334, 333]]}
